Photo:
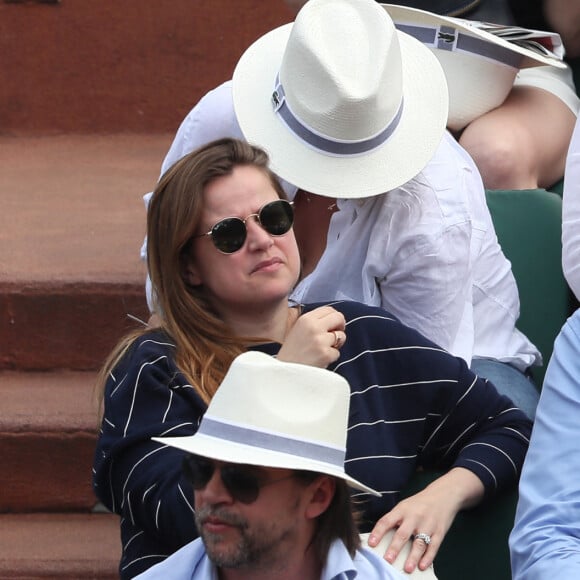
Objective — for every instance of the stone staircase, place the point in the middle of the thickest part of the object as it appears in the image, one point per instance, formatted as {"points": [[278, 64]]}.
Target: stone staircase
{"points": [[70, 284], [96, 92]]}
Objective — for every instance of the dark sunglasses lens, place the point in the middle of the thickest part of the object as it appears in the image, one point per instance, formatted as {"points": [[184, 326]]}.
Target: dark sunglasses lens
{"points": [[229, 235], [277, 217], [242, 484], [198, 470]]}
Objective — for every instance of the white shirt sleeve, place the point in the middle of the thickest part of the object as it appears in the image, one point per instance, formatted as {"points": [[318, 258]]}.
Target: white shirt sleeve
{"points": [[571, 215], [427, 244], [428, 280]]}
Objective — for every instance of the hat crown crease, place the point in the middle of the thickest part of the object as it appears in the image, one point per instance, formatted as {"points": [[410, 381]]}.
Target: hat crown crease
{"points": [[334, 78]]}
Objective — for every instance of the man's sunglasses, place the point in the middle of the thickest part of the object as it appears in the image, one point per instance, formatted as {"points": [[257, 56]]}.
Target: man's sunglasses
{"points": [[242, 482], [229, 235]]}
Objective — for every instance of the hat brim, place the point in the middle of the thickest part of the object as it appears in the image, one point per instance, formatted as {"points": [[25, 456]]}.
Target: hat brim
{"points": [[399, 159], [407, 15], [232, 452]]}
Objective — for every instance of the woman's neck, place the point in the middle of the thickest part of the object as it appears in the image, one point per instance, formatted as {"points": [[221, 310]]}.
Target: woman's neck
{"points": [[272, 324]]}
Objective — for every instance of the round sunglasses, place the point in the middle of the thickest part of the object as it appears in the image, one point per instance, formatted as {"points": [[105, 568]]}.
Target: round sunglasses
{"points": [[229, 234], [242, 482]]}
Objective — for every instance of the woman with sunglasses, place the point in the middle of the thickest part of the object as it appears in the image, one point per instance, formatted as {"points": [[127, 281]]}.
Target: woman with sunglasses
{"points": [[223, 258]]}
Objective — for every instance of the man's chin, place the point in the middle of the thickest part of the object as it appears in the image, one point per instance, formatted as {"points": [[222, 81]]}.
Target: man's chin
{"points": [[227, 555]]}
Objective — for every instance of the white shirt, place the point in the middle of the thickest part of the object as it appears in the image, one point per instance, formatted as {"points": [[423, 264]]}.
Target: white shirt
{"points": [[426, 251], [571, 215]]}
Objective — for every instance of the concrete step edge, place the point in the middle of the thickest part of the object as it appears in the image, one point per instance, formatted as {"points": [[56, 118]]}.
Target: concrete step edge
{"points": [[59, 545], [48, 431], [71, 326], [58, 402]]}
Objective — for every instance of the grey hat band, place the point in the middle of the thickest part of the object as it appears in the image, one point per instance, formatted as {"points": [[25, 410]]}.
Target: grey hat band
{"points": [[325, 144], [448, 38], [272, 442]]}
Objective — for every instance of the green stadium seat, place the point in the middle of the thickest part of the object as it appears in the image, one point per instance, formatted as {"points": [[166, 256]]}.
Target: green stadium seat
{"points": [[528, 224]]}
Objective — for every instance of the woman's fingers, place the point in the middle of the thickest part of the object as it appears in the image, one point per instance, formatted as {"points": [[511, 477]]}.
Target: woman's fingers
{"points": [[315, 338]]}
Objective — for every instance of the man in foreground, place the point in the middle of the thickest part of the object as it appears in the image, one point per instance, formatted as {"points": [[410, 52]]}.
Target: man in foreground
{"points": [[267, 470]]}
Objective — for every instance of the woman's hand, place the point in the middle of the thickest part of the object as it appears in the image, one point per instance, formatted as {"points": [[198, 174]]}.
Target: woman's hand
{"points": [[315, 338], [427, 516]]}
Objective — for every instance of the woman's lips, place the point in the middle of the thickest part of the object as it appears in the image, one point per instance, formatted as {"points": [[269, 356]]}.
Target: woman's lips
{"points": [[268, 265]]}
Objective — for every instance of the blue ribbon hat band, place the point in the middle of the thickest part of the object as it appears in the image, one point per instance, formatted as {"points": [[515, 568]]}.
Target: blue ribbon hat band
{"points": [[450, 39], [272, 442], [325, 144]]}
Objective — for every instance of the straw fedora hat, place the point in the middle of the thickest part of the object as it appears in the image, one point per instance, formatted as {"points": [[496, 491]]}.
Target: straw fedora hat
{"points": [[344, 104], [276, 414], [480, 67]]}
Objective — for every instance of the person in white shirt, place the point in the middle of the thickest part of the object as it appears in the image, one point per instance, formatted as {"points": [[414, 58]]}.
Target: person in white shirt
{"points": [[267, 470], [404, 226], [571, 215]]}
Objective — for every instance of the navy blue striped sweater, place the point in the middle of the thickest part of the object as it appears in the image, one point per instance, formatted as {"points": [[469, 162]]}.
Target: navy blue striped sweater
{"points": [[412, 405]]}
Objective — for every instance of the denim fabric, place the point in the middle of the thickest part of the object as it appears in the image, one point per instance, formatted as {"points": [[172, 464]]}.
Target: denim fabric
{"points": [[510, 382]]}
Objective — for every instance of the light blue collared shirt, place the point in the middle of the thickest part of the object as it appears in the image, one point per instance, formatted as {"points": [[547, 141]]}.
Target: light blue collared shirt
{"points": [[192, 563], [545, 541]]}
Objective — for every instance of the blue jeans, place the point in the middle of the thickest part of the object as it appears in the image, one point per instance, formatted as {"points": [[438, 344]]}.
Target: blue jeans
{"points": [[510, 382]]}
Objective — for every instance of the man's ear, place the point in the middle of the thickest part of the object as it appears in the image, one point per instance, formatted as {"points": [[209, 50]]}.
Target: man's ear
{"points": [[321, 493]]}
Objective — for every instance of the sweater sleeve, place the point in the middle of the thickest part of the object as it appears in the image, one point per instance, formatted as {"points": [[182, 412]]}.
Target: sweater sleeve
{"points": [[414, 405], [467, 422], [478, 429], [141, 480]]}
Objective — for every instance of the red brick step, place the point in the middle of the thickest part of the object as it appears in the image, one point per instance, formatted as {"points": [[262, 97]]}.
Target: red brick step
{"points": [[73, 228], [59, 546], [48, 429]]}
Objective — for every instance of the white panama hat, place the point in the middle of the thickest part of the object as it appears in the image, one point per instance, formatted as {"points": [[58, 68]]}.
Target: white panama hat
{"points": [[480, 66], [276, 414], [344, 104]]}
